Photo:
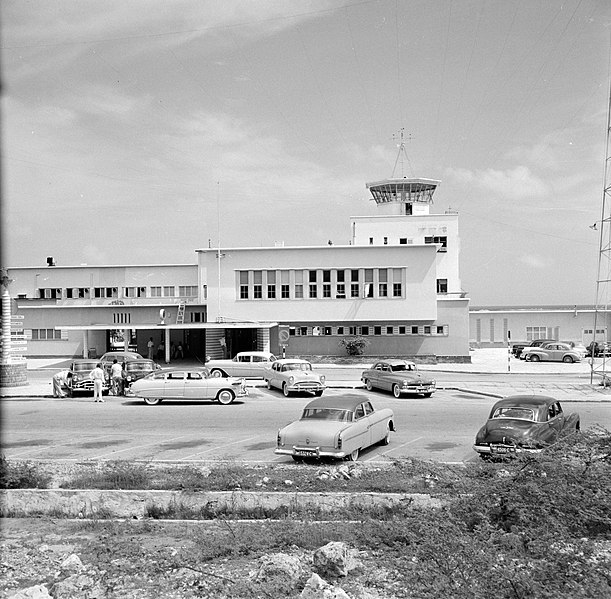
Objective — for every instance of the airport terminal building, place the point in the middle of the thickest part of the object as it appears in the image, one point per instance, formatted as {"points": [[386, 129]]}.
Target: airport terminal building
{"points": [[395, 283]]}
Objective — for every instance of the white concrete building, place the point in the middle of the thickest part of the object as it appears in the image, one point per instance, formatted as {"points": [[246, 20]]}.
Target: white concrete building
{"points": [[395, 283]]}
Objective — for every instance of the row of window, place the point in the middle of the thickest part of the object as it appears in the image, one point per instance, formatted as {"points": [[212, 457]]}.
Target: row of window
{"points": [[326, 283], [114, 292], [440, 239], [370, 330]]}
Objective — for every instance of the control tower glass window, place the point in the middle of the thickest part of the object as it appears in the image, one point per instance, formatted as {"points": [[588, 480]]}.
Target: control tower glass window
{"points": [[443, 240]]}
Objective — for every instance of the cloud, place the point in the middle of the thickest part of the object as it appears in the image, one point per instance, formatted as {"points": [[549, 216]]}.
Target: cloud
{"points": [[517, 183]]}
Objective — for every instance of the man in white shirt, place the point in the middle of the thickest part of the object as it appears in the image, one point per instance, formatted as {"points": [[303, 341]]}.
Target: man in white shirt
{"points": [[116, 377], [97, 376]]}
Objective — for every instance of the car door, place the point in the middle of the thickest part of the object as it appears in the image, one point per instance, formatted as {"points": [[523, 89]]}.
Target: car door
{"points": [[258, 365], [377, 424], [358, 434], [175, 385], [374, 375], [272, 375], [197, 386]]}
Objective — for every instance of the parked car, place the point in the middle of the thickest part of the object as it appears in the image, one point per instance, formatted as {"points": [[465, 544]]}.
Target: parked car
{"points": [[249, 364], [551, 352], [120, 356], [292, 375], [398, 376], [523, 423], [138, 369], [577, 346], [598, 349], [186, 384], [78, 380], [335, 427], [518, 348]]}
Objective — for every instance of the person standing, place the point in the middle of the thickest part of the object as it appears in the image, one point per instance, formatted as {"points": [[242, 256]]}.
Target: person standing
{"points": [[151, 348], [97, 376], [116, 377], [59, 381]]}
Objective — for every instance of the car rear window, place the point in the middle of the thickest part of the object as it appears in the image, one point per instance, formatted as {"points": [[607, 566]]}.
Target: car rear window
{"points": [[84, 366], [514, 412], [327, 414]]}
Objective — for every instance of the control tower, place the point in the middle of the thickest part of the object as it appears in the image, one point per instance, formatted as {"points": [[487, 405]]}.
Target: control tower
{"points": [[403, 197]]}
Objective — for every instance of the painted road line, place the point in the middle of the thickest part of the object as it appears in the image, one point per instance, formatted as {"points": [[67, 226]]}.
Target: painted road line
{"points": [[397, 448], [220, 446], [113, 453]]}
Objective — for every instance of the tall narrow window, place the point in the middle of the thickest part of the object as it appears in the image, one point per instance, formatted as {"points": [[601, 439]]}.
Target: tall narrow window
{"points": [[243, 284], [257, 288], [442, 285], [271, 284]]}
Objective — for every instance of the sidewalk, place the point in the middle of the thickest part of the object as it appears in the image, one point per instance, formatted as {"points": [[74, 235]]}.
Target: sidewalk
{"points": [[572, 382]]}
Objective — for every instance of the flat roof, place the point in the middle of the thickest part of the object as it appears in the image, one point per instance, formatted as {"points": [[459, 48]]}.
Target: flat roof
{"points": [[174, 326]]}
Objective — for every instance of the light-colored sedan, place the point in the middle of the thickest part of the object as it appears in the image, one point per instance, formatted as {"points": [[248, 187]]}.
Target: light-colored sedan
{"points": [[335, 427], [249, 364], [552, 352], [292, 375], [398, 376], [187, 384]]}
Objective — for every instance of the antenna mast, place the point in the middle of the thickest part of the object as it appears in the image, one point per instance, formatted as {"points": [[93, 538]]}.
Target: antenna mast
{"points": [[402, 154], [601, 310]]}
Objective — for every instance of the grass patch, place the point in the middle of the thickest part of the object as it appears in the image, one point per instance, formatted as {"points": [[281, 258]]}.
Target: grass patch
{"points": [[22, 475]]}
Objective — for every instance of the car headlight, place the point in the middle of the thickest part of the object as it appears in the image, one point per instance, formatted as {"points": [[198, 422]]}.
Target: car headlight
{"points": [[129, 378], [405, 383], [339, 441], [323, 379], [279, 440], [291, 380]]}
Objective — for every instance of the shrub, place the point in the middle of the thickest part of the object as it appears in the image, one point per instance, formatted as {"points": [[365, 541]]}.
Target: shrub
{"points": [[21, 476], [354, 345]]}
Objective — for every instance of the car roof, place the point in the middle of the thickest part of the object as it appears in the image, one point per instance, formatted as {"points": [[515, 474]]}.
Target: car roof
{"points": [[292, 361], [122, 353], [527, 401], [191, 369], [143, 361], [342, 402], [81, 360], [254, 353], [394, 362]]}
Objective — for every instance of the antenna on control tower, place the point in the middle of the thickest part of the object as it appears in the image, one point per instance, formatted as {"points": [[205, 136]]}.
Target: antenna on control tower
{"points": [[402, 154]]}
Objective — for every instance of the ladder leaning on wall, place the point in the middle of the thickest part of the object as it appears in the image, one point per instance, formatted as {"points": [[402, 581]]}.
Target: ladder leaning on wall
{"points": [[180, 315]]}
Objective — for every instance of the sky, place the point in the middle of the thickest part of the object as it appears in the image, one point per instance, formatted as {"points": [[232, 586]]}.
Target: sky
{"points": [[136, 131]]}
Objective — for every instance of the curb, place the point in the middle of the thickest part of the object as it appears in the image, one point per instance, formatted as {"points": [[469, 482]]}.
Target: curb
{"points": [[139, 504]]}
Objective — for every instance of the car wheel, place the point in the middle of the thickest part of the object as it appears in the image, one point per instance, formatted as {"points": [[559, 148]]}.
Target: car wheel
{"points": [[353, 456], [225, 396], [396, 391], [427, 394], [151, 401], [368, 385], [535, 358], [567, 359], [285, 390], [216, 373]]}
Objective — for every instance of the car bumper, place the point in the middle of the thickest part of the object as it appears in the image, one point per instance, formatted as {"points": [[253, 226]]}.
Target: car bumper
{"points": [[499, 449], [418, 389], [307, 387], [86, 386], [310, 452]]}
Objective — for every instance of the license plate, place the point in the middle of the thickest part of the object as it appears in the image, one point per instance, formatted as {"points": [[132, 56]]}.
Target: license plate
{"points": [[502, 449], [308, 453]]}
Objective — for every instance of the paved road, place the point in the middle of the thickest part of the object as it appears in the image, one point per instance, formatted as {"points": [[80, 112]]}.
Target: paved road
{"points": [[440, 428]]}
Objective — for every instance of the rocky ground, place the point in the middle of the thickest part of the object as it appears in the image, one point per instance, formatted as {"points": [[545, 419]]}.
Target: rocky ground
{"points": [[60, 559]]}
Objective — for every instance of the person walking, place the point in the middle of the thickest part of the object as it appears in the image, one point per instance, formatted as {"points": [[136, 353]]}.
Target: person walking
{"points": [[116, 377], [151, 348], [97, 376], [59, 381]]}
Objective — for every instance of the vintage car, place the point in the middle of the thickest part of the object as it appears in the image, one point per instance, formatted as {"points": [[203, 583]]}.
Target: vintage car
{"points": [[137, 369], [249, 364], [121, 356], [78, 380], [335, 427], [518, 349], [551, 352], [523, 423], [292, 375], [186, 384], [398, 376]]}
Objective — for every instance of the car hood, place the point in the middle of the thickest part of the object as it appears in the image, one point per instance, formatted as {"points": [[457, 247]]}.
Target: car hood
{"points": [[504, 430], [316, 431], [303, 375]]}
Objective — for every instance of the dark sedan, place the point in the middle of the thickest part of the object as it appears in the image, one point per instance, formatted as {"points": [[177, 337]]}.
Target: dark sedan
{"points": [[523, 423], [398, 376]]}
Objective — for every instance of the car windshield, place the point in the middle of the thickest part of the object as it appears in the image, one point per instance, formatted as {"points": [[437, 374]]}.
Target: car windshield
{"points": [[401, 367], [297, 366], [84, 366], [327, 414], [514, 412], [135, 367]]}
